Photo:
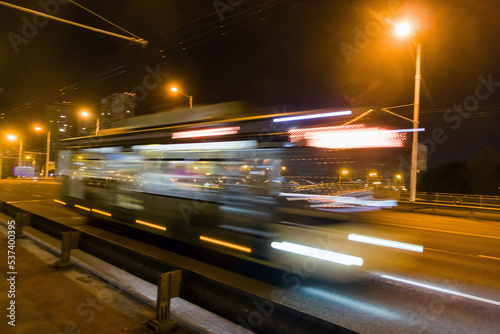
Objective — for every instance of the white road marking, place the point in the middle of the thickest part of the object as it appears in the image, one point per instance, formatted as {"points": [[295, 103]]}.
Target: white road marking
{"points": [[439, 230], [435, 288]]}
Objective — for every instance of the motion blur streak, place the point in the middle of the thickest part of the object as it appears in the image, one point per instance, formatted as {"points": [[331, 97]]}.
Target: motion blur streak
{"points": [[451, 292], [60, 202], [317, 253], [298, 118], [408, 130], [81, 207], [355, 305], [386, 243], [151, 225], [226, 244], [102, 212], [348, 136], [206, 133], [327, 200], [203, 146]]}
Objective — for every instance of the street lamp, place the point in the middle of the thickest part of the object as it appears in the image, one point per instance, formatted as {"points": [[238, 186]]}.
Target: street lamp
{"points": [[190, 97], [404, 29], [37, 128], [371, 175], [398, 178], [344, 172], [86, 114], [14, 138]]}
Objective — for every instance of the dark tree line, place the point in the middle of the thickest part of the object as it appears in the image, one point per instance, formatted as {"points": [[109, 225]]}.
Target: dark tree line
{"points": [[480, 176]]}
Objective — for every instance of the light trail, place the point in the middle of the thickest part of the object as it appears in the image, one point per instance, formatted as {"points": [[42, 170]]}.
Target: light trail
{"points": [[435, 288], [385, 243], [317, 253]]}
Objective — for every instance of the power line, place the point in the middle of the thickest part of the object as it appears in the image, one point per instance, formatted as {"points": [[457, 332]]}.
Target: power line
{"points": [[190, 38], [132, 39]]}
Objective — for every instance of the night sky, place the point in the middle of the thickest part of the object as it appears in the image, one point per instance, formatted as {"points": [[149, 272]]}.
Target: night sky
{"points": [[298, 54]]}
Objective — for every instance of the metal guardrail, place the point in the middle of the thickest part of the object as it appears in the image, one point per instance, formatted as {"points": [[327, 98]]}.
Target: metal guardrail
{"points": [[236, 305], [459, 200]]}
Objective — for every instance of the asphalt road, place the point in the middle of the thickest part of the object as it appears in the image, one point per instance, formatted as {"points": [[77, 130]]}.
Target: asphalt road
{"points": [[452, 286]]}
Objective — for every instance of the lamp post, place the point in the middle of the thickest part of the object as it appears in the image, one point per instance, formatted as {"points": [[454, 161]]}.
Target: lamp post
{"points": [[190, 97], [398, 178], [404, 29], [37, 128], [14, 138], [371, 175], [344, 171], [86, 114]]}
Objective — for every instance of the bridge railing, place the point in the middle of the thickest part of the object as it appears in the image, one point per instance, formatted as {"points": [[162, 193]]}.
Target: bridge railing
{"points": [[464, 200]]}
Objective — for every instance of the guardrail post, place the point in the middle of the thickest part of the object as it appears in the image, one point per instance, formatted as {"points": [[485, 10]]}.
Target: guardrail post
{"points": [[70, 241], [22, 219], [168, 287]]}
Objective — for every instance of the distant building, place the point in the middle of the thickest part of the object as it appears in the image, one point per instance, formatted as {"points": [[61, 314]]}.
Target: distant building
{"points": [[62, 122], [116, 107]]}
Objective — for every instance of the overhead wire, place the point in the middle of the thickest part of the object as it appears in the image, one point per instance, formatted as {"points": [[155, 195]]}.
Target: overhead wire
{"points": [[104, 19], [186, 37]]}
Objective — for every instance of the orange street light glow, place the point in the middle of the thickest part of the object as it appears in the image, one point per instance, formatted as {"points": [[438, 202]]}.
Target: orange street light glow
{"points": [[403, 29]]}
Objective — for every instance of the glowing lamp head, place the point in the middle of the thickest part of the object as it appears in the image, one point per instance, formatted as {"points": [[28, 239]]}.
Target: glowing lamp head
{"points": [[174, 89], [12, 137], [84, 113], [38, 128], [403, 29]]}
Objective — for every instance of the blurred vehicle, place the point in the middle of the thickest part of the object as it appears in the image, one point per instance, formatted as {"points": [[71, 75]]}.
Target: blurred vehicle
{"points": [[204, 177]]}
